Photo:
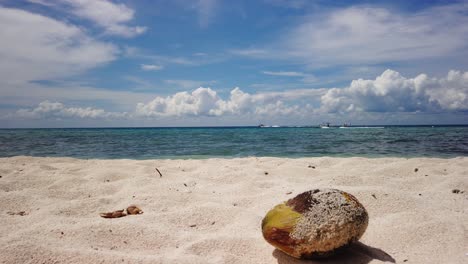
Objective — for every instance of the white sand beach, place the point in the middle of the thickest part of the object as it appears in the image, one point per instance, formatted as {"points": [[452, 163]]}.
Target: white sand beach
{"points": [[210, 211]]}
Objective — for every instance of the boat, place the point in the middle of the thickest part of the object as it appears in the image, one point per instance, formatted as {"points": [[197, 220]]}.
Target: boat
{"points": [[345, 125], [326, 125]]}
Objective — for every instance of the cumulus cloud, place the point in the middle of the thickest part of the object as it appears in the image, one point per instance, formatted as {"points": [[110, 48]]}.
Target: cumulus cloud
{"points": [[386, 94], [47, 109], [206, 102], [263, 104], [37, 47], [151, 67], [391, 92], [112, 17], [451, 93], [199, 102]]}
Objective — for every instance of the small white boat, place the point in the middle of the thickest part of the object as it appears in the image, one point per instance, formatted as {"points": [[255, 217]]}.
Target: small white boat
{"points": [[326, 125]]}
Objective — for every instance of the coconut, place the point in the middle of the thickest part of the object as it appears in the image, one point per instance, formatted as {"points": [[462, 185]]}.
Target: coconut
{"points": [[315, 224]]}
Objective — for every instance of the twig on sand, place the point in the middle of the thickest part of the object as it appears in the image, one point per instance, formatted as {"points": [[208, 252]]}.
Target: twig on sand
{"points": [[115, 214], [131, 210], [160, 174], [22, 213]]}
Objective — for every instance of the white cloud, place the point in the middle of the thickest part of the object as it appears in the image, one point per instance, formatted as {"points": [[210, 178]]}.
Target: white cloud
{"points": [[47, 109], [388, 93], [196, 59], [391, 92], [151, 67], [307, 77], [251, 52], [451, 93], [363, 34], [112, 17], [200, 102], [206, 10], [43, 2], [369, 35], [285, 73], [189, 84], [261, 104], [37, 47], [206, 102], [294, 4], [27, 94]]}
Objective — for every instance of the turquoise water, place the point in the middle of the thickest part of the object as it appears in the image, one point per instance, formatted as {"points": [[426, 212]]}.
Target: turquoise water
{"points": [[148, 143]]}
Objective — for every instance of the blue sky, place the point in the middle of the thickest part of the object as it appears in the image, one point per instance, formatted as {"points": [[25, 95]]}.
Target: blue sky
{"points": [[73, 63]]}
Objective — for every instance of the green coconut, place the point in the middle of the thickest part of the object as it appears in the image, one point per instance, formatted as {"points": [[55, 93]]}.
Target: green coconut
{"points": [[315, 223]]}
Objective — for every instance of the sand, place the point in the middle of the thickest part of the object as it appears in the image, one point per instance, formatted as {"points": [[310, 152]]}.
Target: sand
{"points": [[210, 211]]}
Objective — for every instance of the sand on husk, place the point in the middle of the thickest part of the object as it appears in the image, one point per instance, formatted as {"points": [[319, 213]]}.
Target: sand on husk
{"points": [[210, 211]]}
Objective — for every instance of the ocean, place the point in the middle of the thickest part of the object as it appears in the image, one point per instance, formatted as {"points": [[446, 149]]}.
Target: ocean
{"points": [[229, 142]]}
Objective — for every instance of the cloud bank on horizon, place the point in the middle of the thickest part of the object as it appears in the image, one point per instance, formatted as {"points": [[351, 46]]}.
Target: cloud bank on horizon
{"points": [[109, 63], [389, 92]]}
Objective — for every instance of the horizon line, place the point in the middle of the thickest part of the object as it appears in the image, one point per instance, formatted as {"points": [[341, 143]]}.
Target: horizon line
{"points": [[239, 126]]}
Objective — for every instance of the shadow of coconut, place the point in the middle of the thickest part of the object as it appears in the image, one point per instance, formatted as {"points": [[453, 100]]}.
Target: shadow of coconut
{"points": [[357, 253]]}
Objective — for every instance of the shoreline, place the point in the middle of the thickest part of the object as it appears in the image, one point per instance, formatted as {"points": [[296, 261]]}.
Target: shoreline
{"points": [[183, 158], [210, 210]]}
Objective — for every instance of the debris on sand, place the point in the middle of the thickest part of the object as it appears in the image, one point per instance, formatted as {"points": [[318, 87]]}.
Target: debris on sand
{"points": [[21, 213], [316, 223], [115, 214], [131, 210], [160, 174], [134, 210]]}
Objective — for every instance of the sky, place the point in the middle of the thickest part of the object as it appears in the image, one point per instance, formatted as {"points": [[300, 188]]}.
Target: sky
{"points": [[99, 63]]}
